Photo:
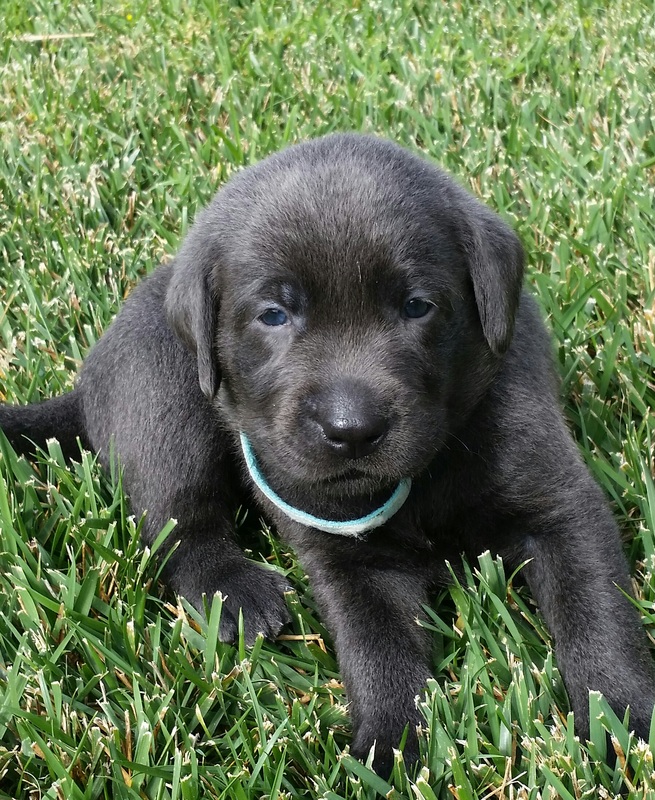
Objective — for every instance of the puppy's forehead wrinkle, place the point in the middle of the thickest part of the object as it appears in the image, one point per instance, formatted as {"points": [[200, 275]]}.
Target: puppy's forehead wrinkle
{"points": [[328, 283]]}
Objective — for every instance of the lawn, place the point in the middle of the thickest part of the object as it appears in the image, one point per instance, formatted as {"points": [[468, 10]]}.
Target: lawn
{"points": [[118, 121]]}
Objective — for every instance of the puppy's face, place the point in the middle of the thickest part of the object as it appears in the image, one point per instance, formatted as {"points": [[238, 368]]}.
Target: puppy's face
{"points": [[348, 328]]}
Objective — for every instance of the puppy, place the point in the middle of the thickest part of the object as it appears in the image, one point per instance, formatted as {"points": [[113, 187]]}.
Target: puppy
{"points": [[344, 337]]}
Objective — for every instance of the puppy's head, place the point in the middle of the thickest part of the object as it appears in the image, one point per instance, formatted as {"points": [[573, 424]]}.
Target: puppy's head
{"points": [[353, 303]]}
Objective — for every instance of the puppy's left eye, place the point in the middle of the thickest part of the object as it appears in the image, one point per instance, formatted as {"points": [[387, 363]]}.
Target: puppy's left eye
{"points": [[274, 317], [416, 308]]}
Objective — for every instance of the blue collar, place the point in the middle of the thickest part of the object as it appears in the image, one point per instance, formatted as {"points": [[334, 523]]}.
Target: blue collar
{"points": [[352, 527]]}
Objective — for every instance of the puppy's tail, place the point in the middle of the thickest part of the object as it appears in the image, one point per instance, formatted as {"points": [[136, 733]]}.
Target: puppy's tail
{"points": [[60, 418]]}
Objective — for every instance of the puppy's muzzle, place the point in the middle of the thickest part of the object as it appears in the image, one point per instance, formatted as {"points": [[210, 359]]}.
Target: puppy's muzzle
{"points": [[349, 418]]}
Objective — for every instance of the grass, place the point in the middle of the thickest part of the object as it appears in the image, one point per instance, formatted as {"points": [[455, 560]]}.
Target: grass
{"points": [[117, 123]]}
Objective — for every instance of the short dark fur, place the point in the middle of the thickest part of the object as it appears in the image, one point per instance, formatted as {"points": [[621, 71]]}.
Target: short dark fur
{"points": [[342, 402]]}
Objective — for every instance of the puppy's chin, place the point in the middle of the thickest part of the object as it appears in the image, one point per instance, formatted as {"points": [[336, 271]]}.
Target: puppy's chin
{"points": [[354, 483], [337, 492], [308, 475], [348, 495]]}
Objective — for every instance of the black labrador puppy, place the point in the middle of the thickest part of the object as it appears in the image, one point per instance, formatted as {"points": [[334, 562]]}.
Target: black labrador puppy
{"points": [[344, 335]]}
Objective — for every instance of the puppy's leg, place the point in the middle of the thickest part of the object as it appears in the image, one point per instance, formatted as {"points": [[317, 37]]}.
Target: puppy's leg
{"points": [[190, 484], [383, 653], [577, 575], [207, 560]]}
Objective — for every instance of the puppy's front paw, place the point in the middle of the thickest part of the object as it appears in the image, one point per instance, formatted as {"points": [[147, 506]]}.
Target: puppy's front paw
{"points": [[259, 594]]}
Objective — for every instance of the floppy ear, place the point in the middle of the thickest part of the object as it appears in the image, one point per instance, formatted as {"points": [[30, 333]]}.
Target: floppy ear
{"points": [[495, 259], [191, 307]]}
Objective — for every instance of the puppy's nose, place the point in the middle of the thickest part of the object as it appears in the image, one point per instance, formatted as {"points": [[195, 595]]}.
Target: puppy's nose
{"points": [[351, 422]]}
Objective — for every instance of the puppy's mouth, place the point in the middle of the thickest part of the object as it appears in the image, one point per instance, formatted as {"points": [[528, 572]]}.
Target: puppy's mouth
{"points": [[347, 476], [343, 483]]}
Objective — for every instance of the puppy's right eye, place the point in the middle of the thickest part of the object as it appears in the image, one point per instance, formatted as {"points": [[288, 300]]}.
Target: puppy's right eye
{"points": [[417, 307], [274, 317]]}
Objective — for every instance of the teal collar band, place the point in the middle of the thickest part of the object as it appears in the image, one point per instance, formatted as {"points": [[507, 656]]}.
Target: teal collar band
{"points": [[352, 527]]}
